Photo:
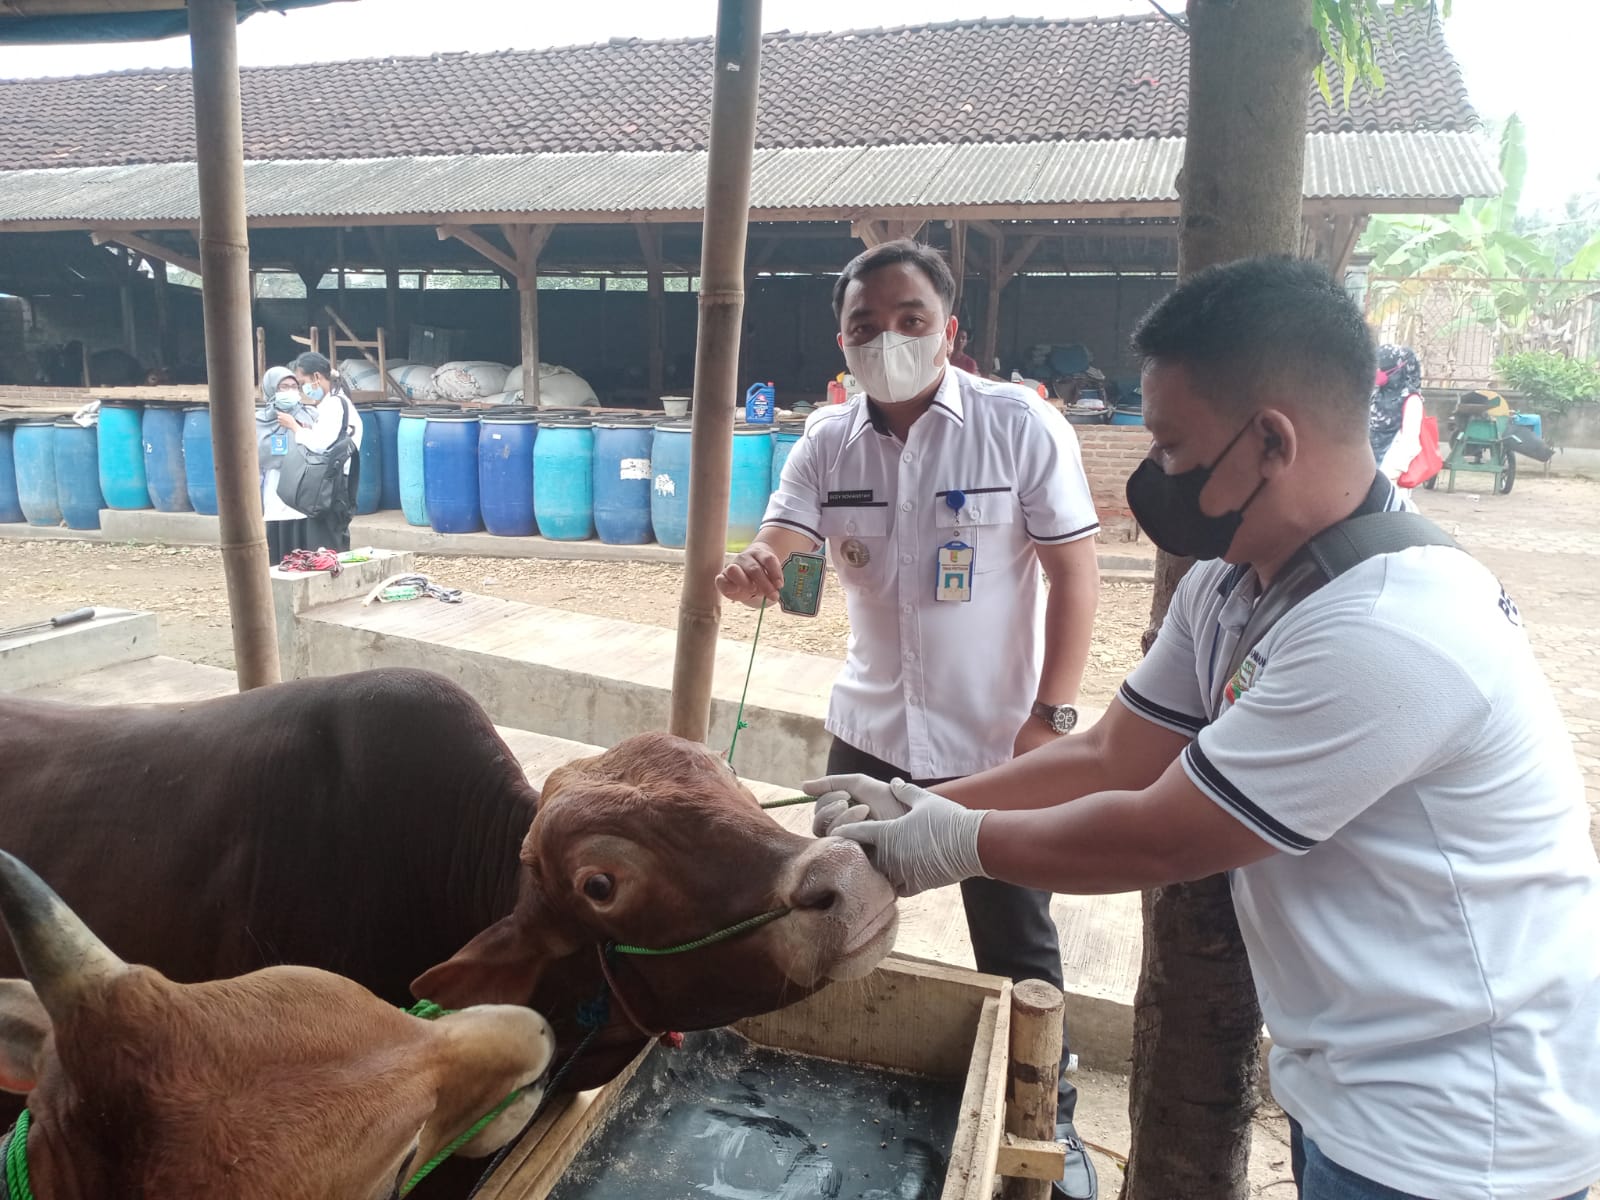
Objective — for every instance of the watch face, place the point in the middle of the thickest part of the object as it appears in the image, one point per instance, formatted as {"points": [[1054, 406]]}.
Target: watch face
{"points": [[1063, 718]]}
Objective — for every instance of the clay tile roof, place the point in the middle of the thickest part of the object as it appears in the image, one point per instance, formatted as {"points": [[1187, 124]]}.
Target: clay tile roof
{"points": [[974, 81]]}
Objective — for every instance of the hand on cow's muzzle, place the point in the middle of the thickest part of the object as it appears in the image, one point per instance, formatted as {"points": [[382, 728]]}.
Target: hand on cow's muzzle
{"points": [[845, 799], [934, 844]]}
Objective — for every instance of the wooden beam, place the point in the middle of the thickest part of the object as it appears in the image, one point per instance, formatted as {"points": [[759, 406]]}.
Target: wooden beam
{"points": [[655, 303], [147, 247], [526, 242], [391, 280], [1347, 232], [958, 258], [469, 237], [989, 346], [1030, 1158], [1017, 261]]}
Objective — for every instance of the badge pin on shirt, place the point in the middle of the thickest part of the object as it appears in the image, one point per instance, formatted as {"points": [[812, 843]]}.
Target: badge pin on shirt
{"points": [[953, 577]]}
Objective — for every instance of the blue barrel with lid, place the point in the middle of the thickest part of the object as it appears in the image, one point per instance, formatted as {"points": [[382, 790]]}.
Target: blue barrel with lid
{"points": [[34, 450], [388, 435], [669, 484], [450, 472], [121, 448], [563, 479], [162, 428], [410, 432], [506, 443], [369, 487], [622, 482], [199, 470], [750, 487], [783, 443], [78, 474], [10, 508]]}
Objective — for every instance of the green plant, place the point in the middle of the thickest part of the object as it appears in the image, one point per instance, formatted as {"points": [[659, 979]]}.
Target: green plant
{"points": [[1552, 382]]}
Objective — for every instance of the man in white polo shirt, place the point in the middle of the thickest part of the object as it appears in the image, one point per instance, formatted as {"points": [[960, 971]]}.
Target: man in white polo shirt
{"points": [[1385, 776], [940, 495]]}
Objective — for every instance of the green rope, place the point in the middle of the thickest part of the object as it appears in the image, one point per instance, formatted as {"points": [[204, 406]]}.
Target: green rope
{"points": [[461, 1141], [428, 1010], [738, 721], [711, 939], [17, 1182]]}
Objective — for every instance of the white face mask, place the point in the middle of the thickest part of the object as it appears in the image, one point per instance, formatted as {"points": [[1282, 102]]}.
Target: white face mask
{"points": [[893, 368]]}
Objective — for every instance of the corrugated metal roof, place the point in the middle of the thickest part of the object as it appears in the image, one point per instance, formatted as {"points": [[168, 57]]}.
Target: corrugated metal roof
{"points": [[945, 178]]}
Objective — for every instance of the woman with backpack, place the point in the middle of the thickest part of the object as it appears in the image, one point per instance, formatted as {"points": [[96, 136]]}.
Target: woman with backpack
{"points": [[330, 444]]}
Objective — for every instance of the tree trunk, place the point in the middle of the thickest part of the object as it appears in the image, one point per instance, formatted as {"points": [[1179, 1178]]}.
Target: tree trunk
{"points": [[1196, 1021]]}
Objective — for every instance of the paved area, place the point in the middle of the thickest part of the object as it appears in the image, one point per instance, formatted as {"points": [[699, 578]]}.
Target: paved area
{"points": [[1543, 541]]}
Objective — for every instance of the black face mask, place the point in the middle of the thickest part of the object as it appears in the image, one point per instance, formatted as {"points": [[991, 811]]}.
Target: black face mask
{"points": [[1167, 508]]}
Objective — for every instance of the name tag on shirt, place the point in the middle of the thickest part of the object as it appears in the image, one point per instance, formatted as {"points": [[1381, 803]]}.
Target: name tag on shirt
{"points": [[280, 442], [953, 584]]}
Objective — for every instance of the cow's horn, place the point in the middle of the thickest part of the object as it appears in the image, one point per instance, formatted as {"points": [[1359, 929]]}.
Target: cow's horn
{"points": [[59, 953]]}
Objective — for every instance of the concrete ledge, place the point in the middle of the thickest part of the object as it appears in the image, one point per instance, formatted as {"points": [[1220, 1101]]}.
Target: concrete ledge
{"points": [[162, 528], [296, 592], [49, 533], [390, 529], [115, 636]]}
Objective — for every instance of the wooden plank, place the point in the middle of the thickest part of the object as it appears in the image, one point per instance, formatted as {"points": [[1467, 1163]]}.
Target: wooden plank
{"points": [[972, 1158], [470, 237], [1027, 1158], [147, 247]]}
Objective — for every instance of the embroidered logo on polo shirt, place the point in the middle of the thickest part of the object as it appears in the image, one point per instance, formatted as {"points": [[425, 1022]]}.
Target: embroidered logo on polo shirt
{"points": [[1249, 670], [1508, 606]]}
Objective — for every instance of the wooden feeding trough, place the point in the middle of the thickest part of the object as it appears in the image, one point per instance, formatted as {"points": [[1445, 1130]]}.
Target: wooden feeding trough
{"points": [[950, 1036]]}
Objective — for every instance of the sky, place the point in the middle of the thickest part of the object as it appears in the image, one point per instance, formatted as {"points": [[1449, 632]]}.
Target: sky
{"points": [[1537, 62]]}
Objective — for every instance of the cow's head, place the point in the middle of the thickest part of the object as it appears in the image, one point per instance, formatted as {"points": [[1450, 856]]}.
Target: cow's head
{"points": [[285, 1082], [655, 843]]}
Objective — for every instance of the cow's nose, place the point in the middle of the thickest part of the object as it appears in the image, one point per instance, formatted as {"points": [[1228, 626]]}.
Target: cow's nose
{"points": [[816, 893]]}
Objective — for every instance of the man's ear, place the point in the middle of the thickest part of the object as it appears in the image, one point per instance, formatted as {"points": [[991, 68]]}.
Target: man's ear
{"points": [[950, 328], [1279, 442], [24, 1030]]}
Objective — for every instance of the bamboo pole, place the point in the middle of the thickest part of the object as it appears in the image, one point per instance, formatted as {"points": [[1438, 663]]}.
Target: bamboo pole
{"points": [[1036, 1014], [225, 263], [733, 128]]}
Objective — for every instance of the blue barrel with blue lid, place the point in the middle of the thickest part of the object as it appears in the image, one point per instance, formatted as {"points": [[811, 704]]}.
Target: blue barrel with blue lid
{"points": [[10, 507], [199, 469], [750, 485], [369, 487], [78, 474], [784, 439], [388, 434], [450, 471], [121, 449], [563, 479], [669, 483], [34, 451], [162, 429], [411, 431], [506, 440], [622, 477]]}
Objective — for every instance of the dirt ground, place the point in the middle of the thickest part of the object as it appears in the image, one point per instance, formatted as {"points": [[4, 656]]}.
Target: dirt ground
{"points": [[184, 586]]}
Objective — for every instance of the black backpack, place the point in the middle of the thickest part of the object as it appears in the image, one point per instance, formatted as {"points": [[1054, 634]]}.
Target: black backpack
{"points": [[313, 481]]}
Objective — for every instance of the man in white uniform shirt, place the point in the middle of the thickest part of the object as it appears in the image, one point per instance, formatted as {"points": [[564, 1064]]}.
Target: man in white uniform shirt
{"points": [[940, 496], [1385, 776]]}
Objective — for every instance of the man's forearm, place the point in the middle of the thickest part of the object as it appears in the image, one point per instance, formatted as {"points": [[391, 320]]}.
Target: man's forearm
{"points": [[1064, 770], [1068, 627]]}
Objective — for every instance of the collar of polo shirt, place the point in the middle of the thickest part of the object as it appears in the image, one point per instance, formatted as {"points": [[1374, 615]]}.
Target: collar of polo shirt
{"points": [[946, 402]]}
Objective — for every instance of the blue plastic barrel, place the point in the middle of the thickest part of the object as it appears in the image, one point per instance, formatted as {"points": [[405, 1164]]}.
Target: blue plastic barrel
{"points": [[411, 430], [563, 479], [751, 485], [122, 480], [622, 482], [783, 443], [162, 428], [369, 488], [388, 435], [199, 471], [669, 484], [1127, 416], [450, 472], [505, 472], [34, 451], [10, 509], [77, 475]]}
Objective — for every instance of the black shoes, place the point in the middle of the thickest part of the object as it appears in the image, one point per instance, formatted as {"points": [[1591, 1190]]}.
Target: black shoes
{"points": [[1078, 1180]]}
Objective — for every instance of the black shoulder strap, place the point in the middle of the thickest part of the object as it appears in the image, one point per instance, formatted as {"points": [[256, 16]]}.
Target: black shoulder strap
{"points": [[1326, 557]]}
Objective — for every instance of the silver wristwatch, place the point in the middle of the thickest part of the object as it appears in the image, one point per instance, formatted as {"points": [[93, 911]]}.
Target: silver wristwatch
{"points": [[1062, 718]]}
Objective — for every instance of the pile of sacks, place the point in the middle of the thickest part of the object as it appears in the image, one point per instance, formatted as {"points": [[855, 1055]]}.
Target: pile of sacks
{"points": [[473, 380]]}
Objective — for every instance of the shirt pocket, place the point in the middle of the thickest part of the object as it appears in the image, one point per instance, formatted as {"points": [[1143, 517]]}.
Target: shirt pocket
{"points": [[984, 522], [859, 544]]}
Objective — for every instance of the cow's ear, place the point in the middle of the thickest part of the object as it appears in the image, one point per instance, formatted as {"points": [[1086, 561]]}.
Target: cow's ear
{"points": [[24, 1030], [502, 965]]}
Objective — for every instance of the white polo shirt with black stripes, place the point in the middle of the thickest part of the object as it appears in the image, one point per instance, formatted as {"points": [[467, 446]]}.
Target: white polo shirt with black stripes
{"points": [[938, 689], [1427, 945]]}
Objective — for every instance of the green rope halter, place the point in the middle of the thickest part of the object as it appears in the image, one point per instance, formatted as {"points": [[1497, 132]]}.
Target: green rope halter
{"points": [[17, 1183], [711, 939]]}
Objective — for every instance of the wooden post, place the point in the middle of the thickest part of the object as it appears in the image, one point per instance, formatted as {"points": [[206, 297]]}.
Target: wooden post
{"points": [[656, 296], [989, 345], [130, 323], [1036, 1013], [958, 259], [166, 340], [391, 283], [225, 258], [526, 242], [737, 62]]}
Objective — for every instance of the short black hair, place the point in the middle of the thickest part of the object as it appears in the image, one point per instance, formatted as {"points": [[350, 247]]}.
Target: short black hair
{"points": [[1275, 322], [313, 363], [902, 250]]}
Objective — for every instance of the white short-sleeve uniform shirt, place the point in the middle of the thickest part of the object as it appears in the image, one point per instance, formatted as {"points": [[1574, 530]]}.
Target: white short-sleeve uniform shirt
{"points": [[938, 689], [1427, 945]]}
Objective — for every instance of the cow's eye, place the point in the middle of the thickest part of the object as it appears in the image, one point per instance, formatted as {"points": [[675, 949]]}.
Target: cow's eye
{"points": [[598, 887]]}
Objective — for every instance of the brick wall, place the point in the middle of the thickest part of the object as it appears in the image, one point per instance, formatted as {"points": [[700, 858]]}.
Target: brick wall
{"points": [[1110, 453]]}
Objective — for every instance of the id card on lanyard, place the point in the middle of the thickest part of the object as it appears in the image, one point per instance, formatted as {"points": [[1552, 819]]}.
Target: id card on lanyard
{"points": [[953, 571]]}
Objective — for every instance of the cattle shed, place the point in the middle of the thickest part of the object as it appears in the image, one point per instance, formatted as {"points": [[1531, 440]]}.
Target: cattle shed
{"points": [[547, 204]]}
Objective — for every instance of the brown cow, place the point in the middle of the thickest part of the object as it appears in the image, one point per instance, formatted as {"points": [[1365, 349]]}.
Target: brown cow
{"points": [[286, 1082], [369, 825]]}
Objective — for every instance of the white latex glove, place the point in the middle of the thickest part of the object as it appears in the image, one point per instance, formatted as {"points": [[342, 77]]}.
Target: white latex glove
{"points": [[934, 844], [842, 799]]}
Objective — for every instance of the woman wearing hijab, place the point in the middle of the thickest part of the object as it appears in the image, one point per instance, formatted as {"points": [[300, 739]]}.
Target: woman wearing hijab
{"points": [[336, 417], [283, 417], [1395, 422]]}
